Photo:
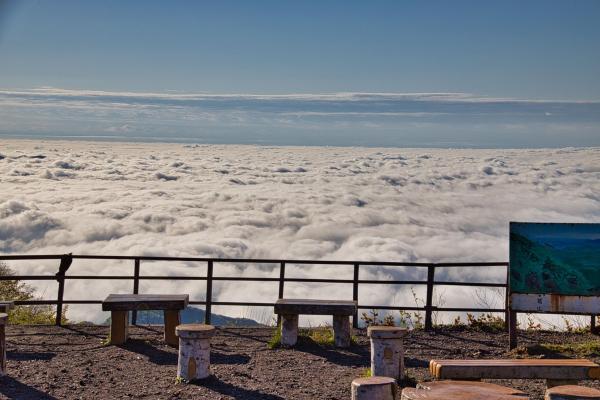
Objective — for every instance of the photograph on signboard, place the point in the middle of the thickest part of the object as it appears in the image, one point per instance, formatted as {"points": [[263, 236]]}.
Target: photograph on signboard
{"points": [[555, 258]]}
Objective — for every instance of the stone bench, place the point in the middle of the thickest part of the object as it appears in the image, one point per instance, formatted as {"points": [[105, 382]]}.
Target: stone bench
{"points": [[3, 322], [461, 390], [556, 372], [289, 309], [572, 392], [119, 306]]}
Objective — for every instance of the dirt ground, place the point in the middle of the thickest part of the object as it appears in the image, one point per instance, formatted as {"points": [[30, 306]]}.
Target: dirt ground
{"points": [[73, 363]]}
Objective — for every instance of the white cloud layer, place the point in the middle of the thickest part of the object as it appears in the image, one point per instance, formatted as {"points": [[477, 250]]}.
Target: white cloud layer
{"points": [[384, 204]]}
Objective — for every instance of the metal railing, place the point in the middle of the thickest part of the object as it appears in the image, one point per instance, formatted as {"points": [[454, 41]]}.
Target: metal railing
{"points": [[65, 261]]}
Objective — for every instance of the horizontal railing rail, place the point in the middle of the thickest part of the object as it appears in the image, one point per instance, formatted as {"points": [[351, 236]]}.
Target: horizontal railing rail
{"points": [[430, 282]]}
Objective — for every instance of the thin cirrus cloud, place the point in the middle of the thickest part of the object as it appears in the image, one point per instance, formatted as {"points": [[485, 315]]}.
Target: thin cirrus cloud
{"points": [[341, 119]]}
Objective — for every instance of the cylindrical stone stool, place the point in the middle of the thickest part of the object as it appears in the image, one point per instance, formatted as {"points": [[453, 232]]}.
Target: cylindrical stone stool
{"points": [[461, 390], [572, 392], [194, 351], [3, 322], [374, 388], [387, 351]]}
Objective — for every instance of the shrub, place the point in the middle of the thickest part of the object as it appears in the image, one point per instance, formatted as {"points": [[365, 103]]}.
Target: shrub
{"points": [[486, 322], [19, 291], [372, 319], [275, 340]]}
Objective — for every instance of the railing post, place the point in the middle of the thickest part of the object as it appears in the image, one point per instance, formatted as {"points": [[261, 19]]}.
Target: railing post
{"points": [[209, 276], [65, 263], [429, 298], [59, 300], [355, 294], [512, 330], [136, 287], [281, 285], [281, 278], [593, 324], [507, 301]]}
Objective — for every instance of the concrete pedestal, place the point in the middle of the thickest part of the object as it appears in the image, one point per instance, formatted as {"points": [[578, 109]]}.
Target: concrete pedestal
{"points": [[289, 330], [194, 351], [341, 330], [387, 351], [374, 388]]}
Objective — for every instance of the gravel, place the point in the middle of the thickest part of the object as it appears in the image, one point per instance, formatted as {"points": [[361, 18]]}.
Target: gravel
{"points": [[47, 362]]}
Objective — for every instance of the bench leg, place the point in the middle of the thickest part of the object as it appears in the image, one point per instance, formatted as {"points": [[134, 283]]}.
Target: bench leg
{"points": [[172, 319], [119, 326], [289, 329], [341, 330]]}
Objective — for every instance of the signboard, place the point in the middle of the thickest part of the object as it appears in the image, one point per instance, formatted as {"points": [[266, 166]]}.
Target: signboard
{"points": [[555, 267]]}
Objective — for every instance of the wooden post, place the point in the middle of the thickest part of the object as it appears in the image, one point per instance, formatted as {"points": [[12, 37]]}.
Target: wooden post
{"points": [[172, 319], [429, 298], [209, 275], [512, 330], [593, 324], [355, 294], [136, 287], [119, 326]]}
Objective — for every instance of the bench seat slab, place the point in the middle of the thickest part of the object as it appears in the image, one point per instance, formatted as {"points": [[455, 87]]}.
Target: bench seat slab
{"points": [[461, 390], [572, 392], [560, 369], [315, 307], [139, 302]]}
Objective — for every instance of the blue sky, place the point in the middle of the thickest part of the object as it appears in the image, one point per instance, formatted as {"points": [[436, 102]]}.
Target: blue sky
{"points": [[518, 52]]}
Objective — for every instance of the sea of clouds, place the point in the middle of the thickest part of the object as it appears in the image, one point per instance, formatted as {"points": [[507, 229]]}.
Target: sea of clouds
{"points": [[382, 204]]}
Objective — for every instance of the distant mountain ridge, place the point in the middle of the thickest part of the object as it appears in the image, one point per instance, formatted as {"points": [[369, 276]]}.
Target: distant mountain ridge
{"points": [[191, 315]]}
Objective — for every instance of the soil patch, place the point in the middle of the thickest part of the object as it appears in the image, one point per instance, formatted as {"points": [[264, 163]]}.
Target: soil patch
{"points": [[47, 362]]}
